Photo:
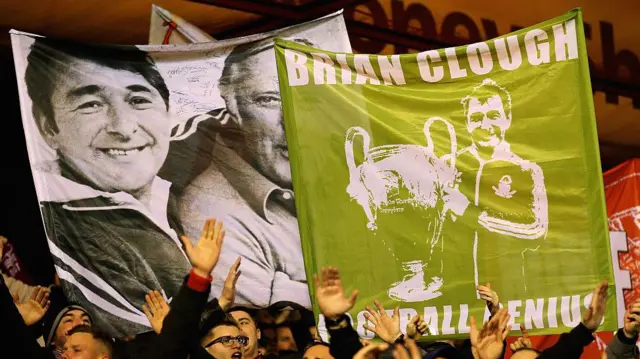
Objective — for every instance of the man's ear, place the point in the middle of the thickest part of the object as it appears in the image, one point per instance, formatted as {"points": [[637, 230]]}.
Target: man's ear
{"points": [[232, 107], [45, 126], [258, 334]]}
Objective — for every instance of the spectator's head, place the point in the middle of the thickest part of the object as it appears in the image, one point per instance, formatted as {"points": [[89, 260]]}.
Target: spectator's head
{"points": [[488, 113], [525, 353], [87, 342], [285, 340], [441, 350], [104, 110], [249, 87], [58, 329], [225, 340], [317, 350], [246, 321]]}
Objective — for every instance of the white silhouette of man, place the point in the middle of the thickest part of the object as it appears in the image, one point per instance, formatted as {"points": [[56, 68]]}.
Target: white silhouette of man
{"points": [[508, 191]]}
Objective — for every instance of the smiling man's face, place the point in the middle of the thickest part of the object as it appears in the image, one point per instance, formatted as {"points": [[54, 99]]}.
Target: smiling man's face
{"points": [[113, 125]]}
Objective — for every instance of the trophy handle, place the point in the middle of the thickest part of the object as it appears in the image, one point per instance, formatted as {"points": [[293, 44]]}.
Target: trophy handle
{"points": [[452, 139], [351, 135]]}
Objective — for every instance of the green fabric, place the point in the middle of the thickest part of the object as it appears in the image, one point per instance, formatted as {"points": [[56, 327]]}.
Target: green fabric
{"points": [[420, 183]]}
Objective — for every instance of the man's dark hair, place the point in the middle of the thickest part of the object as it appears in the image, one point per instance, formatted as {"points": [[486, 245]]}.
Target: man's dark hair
{"points": [[315, 342], [98, 335], [49, 59], [252, 312], [227, 321]]}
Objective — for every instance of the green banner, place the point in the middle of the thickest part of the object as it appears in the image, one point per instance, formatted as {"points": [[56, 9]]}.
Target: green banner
{"points": [[424, 175]]}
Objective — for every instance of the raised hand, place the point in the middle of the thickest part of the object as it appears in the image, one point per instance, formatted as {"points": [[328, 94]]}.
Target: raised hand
{"points": [[204, 256], [488, 343], [228, 296], [386, 327], [371, 351], [522, 342], [156, 310], [593, 317], [489, 296], [417, 327], [632, 320], [34, 309], [330, 294]]}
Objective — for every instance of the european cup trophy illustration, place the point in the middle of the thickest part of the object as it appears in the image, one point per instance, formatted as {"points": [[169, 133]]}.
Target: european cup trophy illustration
{"points": [[396, 178]]}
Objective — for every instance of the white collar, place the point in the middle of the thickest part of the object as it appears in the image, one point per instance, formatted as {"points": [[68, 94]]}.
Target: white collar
{"points": [[51, 186]]}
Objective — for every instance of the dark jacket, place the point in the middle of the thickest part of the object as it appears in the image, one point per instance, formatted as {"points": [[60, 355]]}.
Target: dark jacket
{"points": [[570, 345], [345, 342], [15, 336], [622, 347], [120, 246], [181, 326]]}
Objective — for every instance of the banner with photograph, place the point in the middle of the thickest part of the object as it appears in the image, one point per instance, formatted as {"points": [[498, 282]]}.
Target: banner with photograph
{"points": [[134, 146], [422, 176], [169, 28]]}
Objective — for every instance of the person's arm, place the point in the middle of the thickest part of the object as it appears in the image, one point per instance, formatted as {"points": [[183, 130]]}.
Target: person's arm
{"points": [[489, 341], [623, 345], [180, 326], [493, 305], [571, 345], [334, 305], [18, 288], [345, 341], [243, 239], [15, 333]]}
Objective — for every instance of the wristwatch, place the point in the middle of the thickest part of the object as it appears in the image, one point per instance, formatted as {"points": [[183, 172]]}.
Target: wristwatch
{"points": [[341, 322], [400, 339]]}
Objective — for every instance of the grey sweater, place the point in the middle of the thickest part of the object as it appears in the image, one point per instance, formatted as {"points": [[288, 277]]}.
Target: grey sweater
{"points": [[622, 347]]}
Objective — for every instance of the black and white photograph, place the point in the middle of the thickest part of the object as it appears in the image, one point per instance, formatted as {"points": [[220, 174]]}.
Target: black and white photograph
{"points": [[134, 147]]}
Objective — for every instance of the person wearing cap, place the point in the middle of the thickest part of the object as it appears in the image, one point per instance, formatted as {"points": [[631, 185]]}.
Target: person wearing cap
{"points": [[57, 330]]}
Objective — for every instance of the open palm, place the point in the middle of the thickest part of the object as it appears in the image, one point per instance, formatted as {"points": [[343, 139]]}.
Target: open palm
{"points": [[205, 254], [330, 294], [386, 327], [593, 317], [488, 342], [34, 309]]}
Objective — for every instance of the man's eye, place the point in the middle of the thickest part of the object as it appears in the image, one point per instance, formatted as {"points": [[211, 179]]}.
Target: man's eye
{"points": [[269, 100], [139, 102], [90, 107]]}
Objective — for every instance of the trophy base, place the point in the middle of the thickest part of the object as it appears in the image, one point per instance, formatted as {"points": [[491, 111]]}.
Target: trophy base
{"points": [[412, 288]]}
